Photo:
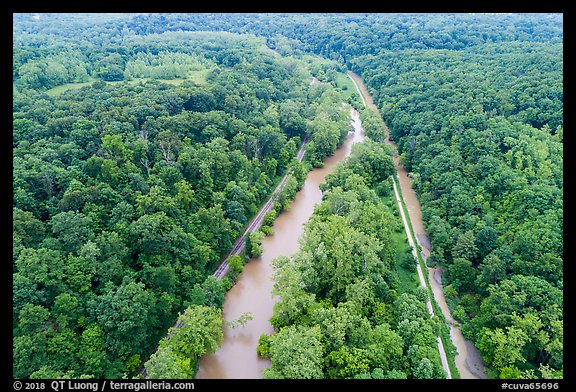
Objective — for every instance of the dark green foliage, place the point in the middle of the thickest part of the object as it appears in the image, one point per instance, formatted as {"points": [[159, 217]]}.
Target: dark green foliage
{"points": [[133, 191], [128, 195], [485, 157], [336, 311]]}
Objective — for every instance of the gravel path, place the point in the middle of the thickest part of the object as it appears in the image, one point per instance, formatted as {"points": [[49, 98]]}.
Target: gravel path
{"points": [[467, 360]]}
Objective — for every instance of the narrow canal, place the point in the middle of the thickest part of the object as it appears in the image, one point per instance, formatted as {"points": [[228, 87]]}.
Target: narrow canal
{"points": [[468, 360]]}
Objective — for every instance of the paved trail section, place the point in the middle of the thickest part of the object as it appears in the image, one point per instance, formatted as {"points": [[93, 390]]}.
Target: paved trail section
{"points": [[467, 360]]}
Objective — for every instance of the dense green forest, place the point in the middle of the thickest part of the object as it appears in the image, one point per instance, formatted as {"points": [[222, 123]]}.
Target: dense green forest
{"points": [[143, 143], [343, 309], [127, 195], [487, 161]]}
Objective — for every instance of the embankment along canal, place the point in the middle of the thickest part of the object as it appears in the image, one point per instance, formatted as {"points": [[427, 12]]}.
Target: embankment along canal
{"points": [[467, 360]]}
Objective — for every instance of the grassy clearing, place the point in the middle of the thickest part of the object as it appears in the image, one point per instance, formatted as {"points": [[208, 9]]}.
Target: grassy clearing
{"points": [[65, 87], [344, 83], [408, 278], [198, 77]]}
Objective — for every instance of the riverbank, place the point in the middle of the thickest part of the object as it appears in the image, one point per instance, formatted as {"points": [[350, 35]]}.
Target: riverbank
{"points": [[237, 358], [467, 360]]}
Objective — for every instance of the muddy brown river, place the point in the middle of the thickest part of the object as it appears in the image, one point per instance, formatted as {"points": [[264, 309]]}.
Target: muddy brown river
{"points": [[467, 360], [237, 358]]}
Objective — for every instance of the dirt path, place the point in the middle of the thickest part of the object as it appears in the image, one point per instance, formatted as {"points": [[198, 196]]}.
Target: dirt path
{"points": [[441, 350], [468, 360]]}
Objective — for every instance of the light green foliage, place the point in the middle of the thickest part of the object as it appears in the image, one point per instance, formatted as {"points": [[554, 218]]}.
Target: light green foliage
{"points": [[289, 190], [165, 364], [117, 180], [423, 369], [254, 243], [328, 127], [340, 282], [165, 65], [91, 353], [240, 321], [198, 331], [63, 348], [263, 348], [502, 348], [373, 125], [339, 255], [33, 319], [425, 361], [209, 293], [294, 302], [372, 161], [335, 324], [296, 353], [30, 353], [510, 372], [236, 266], [393, 375], [386, 350], [347, 363]]}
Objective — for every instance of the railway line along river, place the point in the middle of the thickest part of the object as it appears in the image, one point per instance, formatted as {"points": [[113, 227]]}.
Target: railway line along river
{"points": [[236, 358]]}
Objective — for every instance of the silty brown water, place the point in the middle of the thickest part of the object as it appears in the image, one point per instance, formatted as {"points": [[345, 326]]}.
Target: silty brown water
{"points": [[237, 358], [467, 360]]}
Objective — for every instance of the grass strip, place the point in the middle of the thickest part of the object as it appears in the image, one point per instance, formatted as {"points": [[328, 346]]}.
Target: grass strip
{"points": [[443, 328]]}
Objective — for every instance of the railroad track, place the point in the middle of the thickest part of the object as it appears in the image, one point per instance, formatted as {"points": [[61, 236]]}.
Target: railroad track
{"points": [[256, 222], [240, 243]]}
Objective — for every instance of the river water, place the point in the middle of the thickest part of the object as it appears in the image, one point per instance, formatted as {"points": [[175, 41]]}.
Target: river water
{"points": [[236, 358], [467, 360]]}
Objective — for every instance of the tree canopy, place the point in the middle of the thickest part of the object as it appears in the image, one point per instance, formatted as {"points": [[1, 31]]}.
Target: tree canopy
{"points": [[143, 143]]}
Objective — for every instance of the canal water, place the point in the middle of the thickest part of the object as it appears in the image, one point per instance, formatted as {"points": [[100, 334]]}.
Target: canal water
{"points": [[467, 360]]}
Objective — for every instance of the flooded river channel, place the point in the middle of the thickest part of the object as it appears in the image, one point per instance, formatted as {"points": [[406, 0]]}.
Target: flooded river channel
{"points": [[237, 358]]}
